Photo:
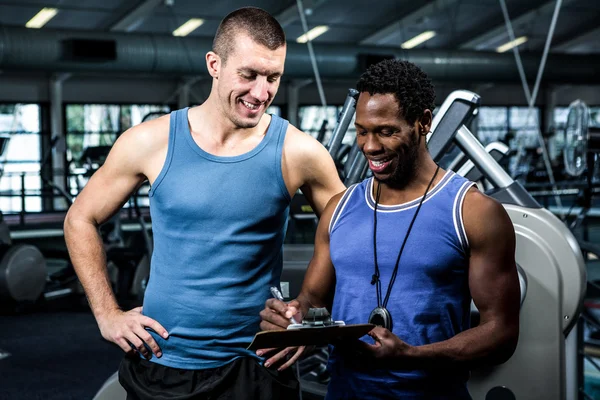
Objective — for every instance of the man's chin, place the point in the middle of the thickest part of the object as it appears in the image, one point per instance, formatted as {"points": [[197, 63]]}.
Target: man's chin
{"points": [[399, 179], [247, 123]]}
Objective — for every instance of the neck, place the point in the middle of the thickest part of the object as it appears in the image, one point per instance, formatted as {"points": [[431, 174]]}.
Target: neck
{"points": [[209, 119], [414, 188]]}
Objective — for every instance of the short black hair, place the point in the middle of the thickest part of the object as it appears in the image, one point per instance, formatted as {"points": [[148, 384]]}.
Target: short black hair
{"points": [[409, 83], [261, 26]]}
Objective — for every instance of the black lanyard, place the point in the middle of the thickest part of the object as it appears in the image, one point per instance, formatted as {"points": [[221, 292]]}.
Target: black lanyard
{"points": [[381, 307]]}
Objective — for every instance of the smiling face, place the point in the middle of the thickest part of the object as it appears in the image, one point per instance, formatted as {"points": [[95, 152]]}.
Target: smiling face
{"points": [[248, 81], [388, 141]]}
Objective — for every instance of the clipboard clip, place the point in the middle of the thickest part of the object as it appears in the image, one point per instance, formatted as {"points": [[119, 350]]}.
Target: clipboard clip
{"points": [[316, 318]]}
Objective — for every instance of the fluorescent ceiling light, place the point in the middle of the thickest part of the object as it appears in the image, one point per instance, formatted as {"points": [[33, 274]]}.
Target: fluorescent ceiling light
{"points": [[188, 27], [513, 43], [417, 40], [313, 33], [40, 19]]}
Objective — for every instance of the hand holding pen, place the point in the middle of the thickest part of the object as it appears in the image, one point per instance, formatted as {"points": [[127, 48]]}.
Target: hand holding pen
{"points": [[275, 317], [277, 294]]}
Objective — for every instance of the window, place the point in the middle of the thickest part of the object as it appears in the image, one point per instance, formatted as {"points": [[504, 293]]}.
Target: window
{"points": [[90, 125], [20, 160], [492, 124], [496, 122], [311, 120], [276, 110], [525, 124], [93, 128]]}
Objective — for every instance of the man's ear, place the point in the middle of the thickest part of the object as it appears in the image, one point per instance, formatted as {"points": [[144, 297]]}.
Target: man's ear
{"points": [[213, 64], [425, 122]]}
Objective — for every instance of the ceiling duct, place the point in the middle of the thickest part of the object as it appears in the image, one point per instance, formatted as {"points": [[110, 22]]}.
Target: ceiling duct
{"points": [[44, 50]]}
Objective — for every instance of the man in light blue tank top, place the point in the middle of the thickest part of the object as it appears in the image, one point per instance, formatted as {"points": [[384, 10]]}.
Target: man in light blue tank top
{"points": [[407, 250], [222, 176]]}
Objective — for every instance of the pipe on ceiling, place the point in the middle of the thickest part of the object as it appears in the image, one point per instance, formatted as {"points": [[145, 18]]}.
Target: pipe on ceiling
{"points": [[110, 52]]}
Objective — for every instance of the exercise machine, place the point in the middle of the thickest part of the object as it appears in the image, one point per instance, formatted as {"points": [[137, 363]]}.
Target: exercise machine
{"points": [[22, 266], [544, 365]]}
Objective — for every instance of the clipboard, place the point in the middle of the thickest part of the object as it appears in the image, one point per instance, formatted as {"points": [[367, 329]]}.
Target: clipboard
{"points": [[310, 336]]}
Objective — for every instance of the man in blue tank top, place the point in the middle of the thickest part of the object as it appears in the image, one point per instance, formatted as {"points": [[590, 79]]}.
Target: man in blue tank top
{"points": [[407, 250], [222, 176]]}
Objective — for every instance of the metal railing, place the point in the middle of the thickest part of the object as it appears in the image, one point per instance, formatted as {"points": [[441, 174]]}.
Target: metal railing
{"points": [[25, 196]]}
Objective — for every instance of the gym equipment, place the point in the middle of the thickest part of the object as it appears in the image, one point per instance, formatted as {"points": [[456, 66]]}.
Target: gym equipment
{"points": [[544, 365], [576, 138], [22, 266], [356, 166], [582, 145]]}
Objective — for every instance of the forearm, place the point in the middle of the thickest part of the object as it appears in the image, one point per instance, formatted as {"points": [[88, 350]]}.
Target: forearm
{"points": [[487, 344], [89, 261], [309, 299]]}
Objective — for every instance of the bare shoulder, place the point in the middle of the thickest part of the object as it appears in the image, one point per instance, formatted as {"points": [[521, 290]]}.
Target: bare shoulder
{"points": [[335, 200], [143, 146], [331, 206], [485, 219], [300, 146], [308, 165], [147, 136]]}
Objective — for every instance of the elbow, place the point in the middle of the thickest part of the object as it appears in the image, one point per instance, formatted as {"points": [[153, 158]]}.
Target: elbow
{"points": [[76, 222], [69, 222], [508, 341]]}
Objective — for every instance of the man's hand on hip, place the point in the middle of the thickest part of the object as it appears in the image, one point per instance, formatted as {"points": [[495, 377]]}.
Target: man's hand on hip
{"points": [[127, 329]]}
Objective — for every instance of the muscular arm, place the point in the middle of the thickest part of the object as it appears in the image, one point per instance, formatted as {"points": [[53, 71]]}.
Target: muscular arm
{"points": [[494, 286], [308, 166], [317, 291], [103, 196], [319, 281]]}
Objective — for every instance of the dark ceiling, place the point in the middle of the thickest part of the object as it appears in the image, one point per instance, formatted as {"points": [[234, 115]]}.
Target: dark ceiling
{"points": [[459, 24]]}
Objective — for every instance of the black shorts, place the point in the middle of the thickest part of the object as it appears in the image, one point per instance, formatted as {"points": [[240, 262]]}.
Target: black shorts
{"points": [[244, 378]]}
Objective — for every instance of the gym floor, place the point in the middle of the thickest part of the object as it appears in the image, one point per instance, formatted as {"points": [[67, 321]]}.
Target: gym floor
{"points": [[55, 353]]}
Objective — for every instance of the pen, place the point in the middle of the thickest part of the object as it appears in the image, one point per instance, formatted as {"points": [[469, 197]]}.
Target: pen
{"points": [[277, 294]]}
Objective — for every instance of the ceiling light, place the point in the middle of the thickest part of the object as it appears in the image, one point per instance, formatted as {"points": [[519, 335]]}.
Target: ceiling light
{"points": [[188, 27], [41, 18], [513, 43], [313, 33], [417, 40]]}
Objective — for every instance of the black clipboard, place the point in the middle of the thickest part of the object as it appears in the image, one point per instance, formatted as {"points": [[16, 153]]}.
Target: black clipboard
{"points": [[310, 336]]}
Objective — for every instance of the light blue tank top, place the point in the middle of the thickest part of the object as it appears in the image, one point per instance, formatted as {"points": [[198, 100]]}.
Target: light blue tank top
{"points": [[430, 299], [219, 225]]}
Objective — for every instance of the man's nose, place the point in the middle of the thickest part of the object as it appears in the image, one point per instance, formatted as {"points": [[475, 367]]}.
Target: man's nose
{"points": [[260, 90], [370, 144]]}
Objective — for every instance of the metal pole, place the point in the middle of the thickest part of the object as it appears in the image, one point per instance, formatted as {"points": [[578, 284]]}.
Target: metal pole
{"points": [[344, 119], [545, 53], [481, 158], [58, 131], [23, 210], [313, 59], [532, 97], [511, 36]]}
